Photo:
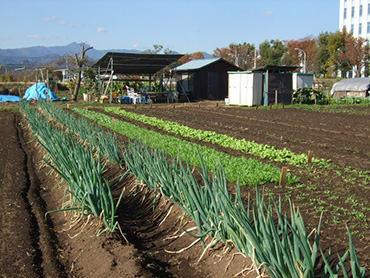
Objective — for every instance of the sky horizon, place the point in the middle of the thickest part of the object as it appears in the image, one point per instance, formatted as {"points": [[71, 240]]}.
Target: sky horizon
{"points": [[185, 27]]}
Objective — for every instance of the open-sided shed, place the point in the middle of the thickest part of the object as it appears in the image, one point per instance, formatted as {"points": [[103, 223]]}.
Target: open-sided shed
{"points": [[204, 78], [352, 87], [136, 64], [132, 66]]}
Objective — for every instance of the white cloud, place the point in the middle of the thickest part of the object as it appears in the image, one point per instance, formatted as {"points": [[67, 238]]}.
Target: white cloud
{"points": [[101, 30], [269, 13], [38, 37], [35, 37], [57, 21]]}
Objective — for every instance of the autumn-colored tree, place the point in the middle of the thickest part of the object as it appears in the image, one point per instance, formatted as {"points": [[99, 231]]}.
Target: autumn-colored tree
{"points": [[224, 53], [189, 57], [307, 44], [241, 55], [355, 54], [336, 47]]}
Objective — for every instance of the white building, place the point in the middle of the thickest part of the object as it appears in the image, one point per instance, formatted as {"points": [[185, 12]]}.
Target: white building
{"points": [[354, 15]]}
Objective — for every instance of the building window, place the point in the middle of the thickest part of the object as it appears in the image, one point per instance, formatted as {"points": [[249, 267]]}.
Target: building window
{"points": [[368, 9], [352, 28], [353, 12], [360, 10], [368, 27], [345, 13], [360, 28]]}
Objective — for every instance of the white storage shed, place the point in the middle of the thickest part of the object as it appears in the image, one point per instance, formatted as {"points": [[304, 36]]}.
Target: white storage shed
{"points": [[245, 88]]}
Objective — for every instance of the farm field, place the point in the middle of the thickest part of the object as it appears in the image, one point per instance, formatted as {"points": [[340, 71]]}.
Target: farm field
{"points": [[337, 185]]}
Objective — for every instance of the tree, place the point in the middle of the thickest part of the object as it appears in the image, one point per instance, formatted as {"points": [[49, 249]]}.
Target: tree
{"points": [[242, 54], [336, 47], [272, 52], [80, 62], [321, 61], [307, 44], [189, 57], [355, 54], [90, 82]]}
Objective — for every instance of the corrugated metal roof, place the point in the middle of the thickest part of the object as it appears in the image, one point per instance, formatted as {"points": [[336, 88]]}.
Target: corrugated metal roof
{"points": [[196, 64], [352, 85], [132, 63]]}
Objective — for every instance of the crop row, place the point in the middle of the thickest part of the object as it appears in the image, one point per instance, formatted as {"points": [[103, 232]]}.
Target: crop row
{"points": [[75, 162], [261, 150], [238, 169], [103, 142]]}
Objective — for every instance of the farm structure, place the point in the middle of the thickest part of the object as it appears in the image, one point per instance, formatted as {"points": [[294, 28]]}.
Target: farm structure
{"points": [[352, 87], [265, 86], [302, 80], [131, 67], [204, 78]]}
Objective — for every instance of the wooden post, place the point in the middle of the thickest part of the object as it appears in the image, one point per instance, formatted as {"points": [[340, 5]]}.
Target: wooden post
{"points": [[276, 97], [112, 121], [135, 106], [284, 171], [174, 106], [310, 156], [68, 105], [151, 105], [217, 104], [198, 104]]}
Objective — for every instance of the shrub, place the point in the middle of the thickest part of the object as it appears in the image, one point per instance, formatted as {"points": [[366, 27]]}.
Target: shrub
{"points": [[309, 96]]}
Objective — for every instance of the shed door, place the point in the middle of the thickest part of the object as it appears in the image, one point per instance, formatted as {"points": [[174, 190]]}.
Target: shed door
{"points": [[213, 88]]}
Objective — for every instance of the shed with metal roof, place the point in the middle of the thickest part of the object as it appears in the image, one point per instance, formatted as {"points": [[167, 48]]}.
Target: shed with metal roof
{"points": [[204, 78]]}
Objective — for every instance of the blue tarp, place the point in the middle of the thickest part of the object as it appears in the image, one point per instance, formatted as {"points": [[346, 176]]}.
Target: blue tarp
{"points": [[5, 98], [39, 90]]}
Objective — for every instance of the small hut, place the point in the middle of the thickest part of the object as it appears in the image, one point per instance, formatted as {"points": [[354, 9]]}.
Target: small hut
{"points": [[204, 78], [278, 84]]}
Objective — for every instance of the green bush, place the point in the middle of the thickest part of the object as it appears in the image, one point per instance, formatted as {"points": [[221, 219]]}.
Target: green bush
{"points": [[309, 96]]}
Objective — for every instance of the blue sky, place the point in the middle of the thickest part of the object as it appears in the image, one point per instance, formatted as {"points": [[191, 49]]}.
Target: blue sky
{"points": [[185, 26]]}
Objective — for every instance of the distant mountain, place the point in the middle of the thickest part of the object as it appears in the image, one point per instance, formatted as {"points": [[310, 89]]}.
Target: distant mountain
{"points": [[46, 55], [207, 55], [43, 54]]}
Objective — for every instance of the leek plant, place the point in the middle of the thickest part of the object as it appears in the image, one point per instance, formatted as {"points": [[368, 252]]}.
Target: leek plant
{"points": [[78, 165], [104, 142]]}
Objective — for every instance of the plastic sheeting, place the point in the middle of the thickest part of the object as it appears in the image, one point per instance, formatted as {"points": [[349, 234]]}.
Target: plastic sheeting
{"points": [[39, 90], [6, 98], [352, 85]]}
